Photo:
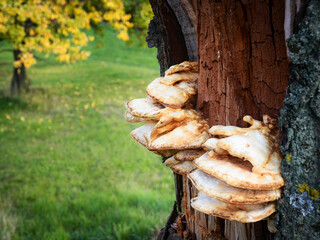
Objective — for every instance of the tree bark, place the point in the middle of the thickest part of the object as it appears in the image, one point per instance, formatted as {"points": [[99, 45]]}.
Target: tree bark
{"points": [[299, 208], [165, 33], [243, 71], [19, 78], [243, 62]]}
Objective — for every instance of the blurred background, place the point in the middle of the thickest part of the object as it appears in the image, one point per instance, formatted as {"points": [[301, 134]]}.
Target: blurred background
{"points": [[68, 166]]}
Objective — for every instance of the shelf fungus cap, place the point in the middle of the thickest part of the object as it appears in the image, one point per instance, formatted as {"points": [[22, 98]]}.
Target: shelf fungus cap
{"points": [[184, 66], [180, 167], [190, 88], [165, 153], [144, 108], [178, 77], [238, 173], [169, 162], [233, 212], [220, 190], [254, 144], [188, 155], [142, 136], [179, 130], [189, 135], [133, 119], [212, 144], [267, 127], [174, 96]]}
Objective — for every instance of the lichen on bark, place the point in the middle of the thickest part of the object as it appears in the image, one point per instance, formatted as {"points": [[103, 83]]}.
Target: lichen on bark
{"points": [[298, 214]]}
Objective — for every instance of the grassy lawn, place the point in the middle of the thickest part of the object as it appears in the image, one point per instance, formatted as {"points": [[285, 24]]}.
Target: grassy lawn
{"points": [[68, 166]]}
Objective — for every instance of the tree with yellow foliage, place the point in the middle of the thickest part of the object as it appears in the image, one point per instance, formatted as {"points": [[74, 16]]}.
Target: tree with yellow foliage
{"points": [[141, 14], [55, 26]]}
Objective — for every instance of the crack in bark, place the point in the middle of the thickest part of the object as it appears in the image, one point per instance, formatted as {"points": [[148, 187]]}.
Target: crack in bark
{"points": [[272, 29]]}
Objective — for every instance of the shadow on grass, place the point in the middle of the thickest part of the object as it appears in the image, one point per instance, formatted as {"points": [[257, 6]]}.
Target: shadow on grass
{"points": [[7, 103], [17, 103]]}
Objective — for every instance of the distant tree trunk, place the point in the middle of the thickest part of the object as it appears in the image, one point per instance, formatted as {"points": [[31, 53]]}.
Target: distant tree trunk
{"points": [[19, 79], [244, 69]]}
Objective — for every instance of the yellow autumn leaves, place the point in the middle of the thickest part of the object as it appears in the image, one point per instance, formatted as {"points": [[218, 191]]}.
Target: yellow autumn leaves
{"points": [[86, 106], [56, 26]]}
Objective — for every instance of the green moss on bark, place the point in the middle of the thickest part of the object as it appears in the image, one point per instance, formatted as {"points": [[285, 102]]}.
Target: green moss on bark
{"points": [[299, 208]]}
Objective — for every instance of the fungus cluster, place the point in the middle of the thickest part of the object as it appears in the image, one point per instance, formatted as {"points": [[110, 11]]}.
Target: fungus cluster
{"points": [[236, 170], [171, 125], [239, 175]]}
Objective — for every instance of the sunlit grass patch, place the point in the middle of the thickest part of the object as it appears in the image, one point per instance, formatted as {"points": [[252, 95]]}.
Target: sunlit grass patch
{"points": [[71, 169]]}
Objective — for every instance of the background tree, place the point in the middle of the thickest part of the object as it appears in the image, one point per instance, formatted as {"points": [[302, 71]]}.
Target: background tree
{"points": [[55, 26], [141, 13]]}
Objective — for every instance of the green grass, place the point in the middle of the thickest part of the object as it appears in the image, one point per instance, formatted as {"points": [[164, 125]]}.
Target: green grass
{"points": [[68, 166]]}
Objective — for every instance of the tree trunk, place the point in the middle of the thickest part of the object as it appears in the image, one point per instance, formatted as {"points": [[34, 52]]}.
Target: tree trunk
{"points": [[19, 79], [243, 63], [299, 208], [165, 33], [244, 71]]}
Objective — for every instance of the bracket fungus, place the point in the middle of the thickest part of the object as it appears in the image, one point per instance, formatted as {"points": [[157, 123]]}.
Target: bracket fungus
{"points": [[178, 87], [180, 167], [185, 77], [219, 189], [183, 67], [212, 144], [144, 108], [234, 212], [142, 136], [188, 155], [184, 129], [239, 175], [182, 162], [236, 170], [169, 125], [134, 119], [175, 96]]}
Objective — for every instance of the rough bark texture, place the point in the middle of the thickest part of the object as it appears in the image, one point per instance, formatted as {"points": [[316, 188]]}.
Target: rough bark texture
{"points": [[19, 79], [299, 208], [243, 62], [166, 34], [243, 70]]}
